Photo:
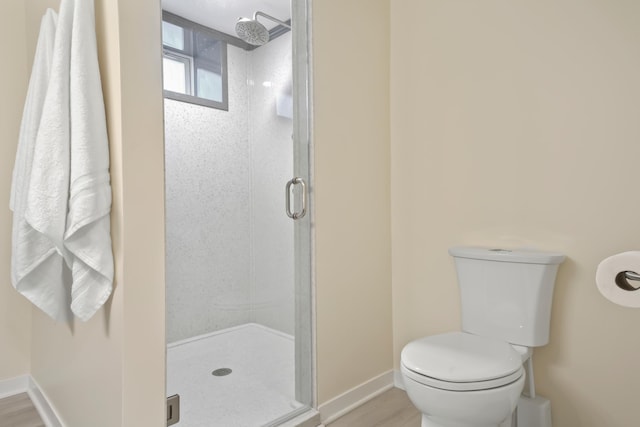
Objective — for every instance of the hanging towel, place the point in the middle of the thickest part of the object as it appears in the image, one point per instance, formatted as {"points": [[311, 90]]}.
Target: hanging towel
{"points": [[88, 231], [33, 106], [61, 195], [39, 220]]}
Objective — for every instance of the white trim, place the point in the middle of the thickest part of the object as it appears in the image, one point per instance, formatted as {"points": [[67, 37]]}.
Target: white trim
{"points": [[357, 396], [398, 382], [26, 384], [43, 405], [13, 386], [311, 418]]}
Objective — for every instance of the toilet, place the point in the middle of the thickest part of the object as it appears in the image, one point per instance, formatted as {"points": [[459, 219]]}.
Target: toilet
{"points": [[474, 377]]}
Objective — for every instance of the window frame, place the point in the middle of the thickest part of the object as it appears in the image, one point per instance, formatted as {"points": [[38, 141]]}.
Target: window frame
{"points": [[174, 54], [187, 61]]}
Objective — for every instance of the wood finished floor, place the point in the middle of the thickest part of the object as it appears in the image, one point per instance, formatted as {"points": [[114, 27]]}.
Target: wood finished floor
{"points": [[18, 411], [391, 409]]}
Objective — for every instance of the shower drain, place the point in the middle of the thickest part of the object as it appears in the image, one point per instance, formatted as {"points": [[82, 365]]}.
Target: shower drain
{"points": [[221, 372]]}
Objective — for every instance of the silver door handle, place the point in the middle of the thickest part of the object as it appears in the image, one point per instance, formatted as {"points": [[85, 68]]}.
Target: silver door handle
{"points": [[303, 212]]}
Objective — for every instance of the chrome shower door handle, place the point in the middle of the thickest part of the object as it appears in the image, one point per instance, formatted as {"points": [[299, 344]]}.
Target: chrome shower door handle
{"points": [[287, 203]]}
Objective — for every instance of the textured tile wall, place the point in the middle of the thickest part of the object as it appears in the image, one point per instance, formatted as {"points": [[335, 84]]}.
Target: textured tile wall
{"points": [[229, 242], [271, 143], [208, 211]]}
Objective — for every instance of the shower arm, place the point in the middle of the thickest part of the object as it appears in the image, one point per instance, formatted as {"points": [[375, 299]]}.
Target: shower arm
{"points": [[264, 15]]}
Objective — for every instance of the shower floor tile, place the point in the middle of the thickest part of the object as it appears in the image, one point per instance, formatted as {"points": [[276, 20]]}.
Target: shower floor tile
{"points": [[259, 389]]}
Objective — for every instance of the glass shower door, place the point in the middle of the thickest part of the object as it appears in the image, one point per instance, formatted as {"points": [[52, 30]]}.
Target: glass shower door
{"points": [[239, 295]]}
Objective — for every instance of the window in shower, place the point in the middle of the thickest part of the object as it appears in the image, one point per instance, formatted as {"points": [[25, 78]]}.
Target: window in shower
{"points": [[194, 63]]}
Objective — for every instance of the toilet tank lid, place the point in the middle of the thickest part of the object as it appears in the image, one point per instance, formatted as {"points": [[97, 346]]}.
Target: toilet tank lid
{"points": [[527, 256]]}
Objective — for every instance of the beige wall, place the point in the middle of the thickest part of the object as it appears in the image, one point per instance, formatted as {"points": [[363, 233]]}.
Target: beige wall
{"points": [[511, 124], [143, 213], [15, 312], [516, 124], [351, 113], [100, 372]]}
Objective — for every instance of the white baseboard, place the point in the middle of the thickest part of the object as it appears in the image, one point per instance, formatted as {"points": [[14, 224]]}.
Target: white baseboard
{"points": [[398, 382], [13, 386], [45, 409], [357, 396], [26, 384], [311, 418], [329, 411]]}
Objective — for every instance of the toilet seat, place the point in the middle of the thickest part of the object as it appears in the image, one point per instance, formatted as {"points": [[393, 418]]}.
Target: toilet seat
{"points": [[463, 386], [460, 361]]}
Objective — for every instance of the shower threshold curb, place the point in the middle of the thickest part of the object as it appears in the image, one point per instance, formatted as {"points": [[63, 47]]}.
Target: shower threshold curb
{"points": [[227, 330]]}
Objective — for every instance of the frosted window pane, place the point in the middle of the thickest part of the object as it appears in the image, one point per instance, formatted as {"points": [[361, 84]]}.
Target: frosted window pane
{"points": [[172, 35], [175, 75], [209, 85], [194, 63]]}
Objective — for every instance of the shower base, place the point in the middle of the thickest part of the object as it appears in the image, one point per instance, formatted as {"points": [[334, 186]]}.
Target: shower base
{"points": [[259, 389]]}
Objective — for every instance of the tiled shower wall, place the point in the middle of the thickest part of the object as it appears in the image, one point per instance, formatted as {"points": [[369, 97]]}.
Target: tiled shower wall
{"points": [[229, 243]]}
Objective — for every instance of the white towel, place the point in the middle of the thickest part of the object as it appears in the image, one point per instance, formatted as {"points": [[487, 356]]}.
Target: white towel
{"points": [[63, 219], [33, 106], [36, 261], [88, 232]]}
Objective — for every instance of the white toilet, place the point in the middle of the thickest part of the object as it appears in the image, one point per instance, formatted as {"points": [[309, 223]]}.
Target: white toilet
{"points": [[474, 378]]}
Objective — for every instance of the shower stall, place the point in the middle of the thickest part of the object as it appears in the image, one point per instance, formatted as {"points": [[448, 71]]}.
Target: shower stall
{"points": [[238, 218]]}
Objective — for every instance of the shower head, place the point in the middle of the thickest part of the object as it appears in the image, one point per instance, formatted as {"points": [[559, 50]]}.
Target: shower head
{"points": [[253, 32]]}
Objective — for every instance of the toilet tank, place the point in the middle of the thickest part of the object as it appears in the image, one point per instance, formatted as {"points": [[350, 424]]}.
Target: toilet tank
{"points": [[506, 294]]}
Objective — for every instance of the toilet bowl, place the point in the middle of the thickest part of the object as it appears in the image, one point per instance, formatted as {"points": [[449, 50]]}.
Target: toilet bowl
{"points": [[462, 380], [474, 378]]}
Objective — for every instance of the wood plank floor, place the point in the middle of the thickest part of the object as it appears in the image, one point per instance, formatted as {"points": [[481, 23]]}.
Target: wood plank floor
{"points": [[18, 411], [391, 409]]}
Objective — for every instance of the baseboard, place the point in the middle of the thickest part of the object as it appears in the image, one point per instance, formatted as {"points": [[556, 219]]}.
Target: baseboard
{"points": [[398, 382], [26, 384], [45, 409], [13, 386], [357, 396], [311, 418]]}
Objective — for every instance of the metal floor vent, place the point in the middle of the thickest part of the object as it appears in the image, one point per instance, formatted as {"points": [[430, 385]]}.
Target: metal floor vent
{"points": [[221, 372]]}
